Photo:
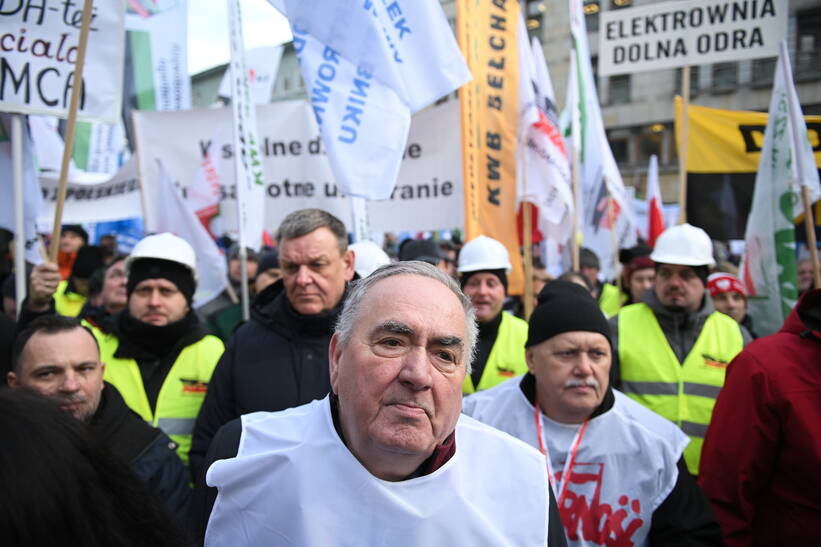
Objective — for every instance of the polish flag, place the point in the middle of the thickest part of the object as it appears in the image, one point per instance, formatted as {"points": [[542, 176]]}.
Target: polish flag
{"points": [[655, 215]]}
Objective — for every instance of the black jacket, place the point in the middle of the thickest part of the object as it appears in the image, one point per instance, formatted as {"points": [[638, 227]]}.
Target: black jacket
{"points": [[150, 453], [278, 360]]}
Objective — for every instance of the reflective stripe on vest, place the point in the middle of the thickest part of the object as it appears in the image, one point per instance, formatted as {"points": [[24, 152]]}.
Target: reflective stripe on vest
{"points": [[68, 304], [683, 393], [507, 356], [610, 299], [181, 394]]}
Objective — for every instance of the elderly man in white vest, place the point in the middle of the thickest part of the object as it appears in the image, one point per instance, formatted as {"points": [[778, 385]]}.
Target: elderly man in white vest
{"points": [[386, 458], [615, 467]]}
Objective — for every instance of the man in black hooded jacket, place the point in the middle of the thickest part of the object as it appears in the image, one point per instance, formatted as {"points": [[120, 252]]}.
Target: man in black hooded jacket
{"points": [[279, 359]]}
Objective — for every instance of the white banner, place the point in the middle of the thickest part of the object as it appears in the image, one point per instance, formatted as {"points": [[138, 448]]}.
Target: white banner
{"points": [[94, 199], [38, 54], [158, 36], [689, 32], [428, 194]]}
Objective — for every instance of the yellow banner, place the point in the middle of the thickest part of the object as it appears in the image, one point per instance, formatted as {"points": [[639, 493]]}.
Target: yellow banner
{"points": [[486, 30], [729, 141]]}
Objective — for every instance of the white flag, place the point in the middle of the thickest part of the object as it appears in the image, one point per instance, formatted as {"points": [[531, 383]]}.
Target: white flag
{"points": [[174, 216], [546, 170], [768, 265], [248, 162], [368, 66], [262, 64], [599, 177], [32, 197]]}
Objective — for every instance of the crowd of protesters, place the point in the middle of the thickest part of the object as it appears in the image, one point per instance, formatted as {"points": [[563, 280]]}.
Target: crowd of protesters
{"points": [[642, 411]]}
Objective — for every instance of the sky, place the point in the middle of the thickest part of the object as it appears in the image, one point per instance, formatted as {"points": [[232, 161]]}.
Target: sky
{"points": [[262, 25]]}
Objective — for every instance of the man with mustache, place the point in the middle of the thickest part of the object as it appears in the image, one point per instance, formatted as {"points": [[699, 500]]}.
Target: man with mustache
{"points": [[483, 267], [673, 347], [612, 463], [386, 458], [58, 359]]}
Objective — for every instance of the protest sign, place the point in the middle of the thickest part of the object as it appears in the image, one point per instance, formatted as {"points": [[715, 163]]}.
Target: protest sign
{"points": [[38, 54], [296, 172], [689, 32]]}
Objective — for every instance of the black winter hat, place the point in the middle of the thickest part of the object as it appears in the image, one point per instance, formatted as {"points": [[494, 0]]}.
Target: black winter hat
{"points": [[77, 229], [156, 268], [565, 307], [268, 260], [426, 250], [89, 259]]}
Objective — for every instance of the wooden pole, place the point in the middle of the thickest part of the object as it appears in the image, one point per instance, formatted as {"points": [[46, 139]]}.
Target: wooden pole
{"points": [[812, 244], [574, 238], [68, 149], [528, 245], [682, 146]]}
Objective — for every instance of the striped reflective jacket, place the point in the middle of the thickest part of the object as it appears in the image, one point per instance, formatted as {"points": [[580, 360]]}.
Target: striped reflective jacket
{"points": [[181, 394], [684, 393]]}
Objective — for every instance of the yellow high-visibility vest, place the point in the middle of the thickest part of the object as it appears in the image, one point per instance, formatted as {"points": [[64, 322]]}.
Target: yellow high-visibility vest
{"points": [[507, 356], [68, 304], [611, 299], [652, 375], [181, 394]]}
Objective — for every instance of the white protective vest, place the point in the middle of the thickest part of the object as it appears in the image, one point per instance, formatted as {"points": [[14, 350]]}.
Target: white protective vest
{"points": [[624, 469], [294, 482]]}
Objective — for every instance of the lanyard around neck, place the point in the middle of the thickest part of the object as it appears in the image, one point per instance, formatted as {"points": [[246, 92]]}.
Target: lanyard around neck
{"points": [[571, 455]]}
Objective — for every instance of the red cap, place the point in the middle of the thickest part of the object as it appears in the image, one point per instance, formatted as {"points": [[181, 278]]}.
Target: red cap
{"points": [[719, 283]]}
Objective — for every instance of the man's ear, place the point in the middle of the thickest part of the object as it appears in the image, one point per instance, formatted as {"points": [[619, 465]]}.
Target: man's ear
{"points": [[334, 353], [529, 359], [11, 379], [349, 258]]}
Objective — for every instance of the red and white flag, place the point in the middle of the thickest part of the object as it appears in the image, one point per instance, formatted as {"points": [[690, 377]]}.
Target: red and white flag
{"points": [[655, 214]]}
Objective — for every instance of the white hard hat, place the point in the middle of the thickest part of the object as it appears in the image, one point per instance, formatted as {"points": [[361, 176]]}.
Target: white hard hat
{"points": [[165, 246], [684, 245], [368, 257], [483, 253]]}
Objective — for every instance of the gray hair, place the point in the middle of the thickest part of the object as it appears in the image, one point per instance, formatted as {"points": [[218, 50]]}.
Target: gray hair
{"points": [[359, 288], [305, 221]]}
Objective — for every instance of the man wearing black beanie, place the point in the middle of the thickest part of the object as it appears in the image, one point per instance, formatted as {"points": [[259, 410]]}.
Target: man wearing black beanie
{"points": [[611, 462], [673, 347], [483, 267], [157, 352]]}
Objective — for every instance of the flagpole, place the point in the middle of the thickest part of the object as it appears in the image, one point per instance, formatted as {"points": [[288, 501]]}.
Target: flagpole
{"points": [[19, 211], [682, 155], [812, 244], [575, 129], [68, 148], [614, 238], [528, 244]]}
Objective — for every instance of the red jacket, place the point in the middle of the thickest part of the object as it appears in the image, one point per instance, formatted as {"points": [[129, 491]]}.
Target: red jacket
{"points": [[761, 463]]}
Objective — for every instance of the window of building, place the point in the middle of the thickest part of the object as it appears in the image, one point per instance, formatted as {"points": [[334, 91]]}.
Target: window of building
{"points": [[591, 12], [620, 148], [694, 82], [651, 139], [534, 12], [725, 77], [808, 47], [763, 71], [618, 4], [619, 89]]}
